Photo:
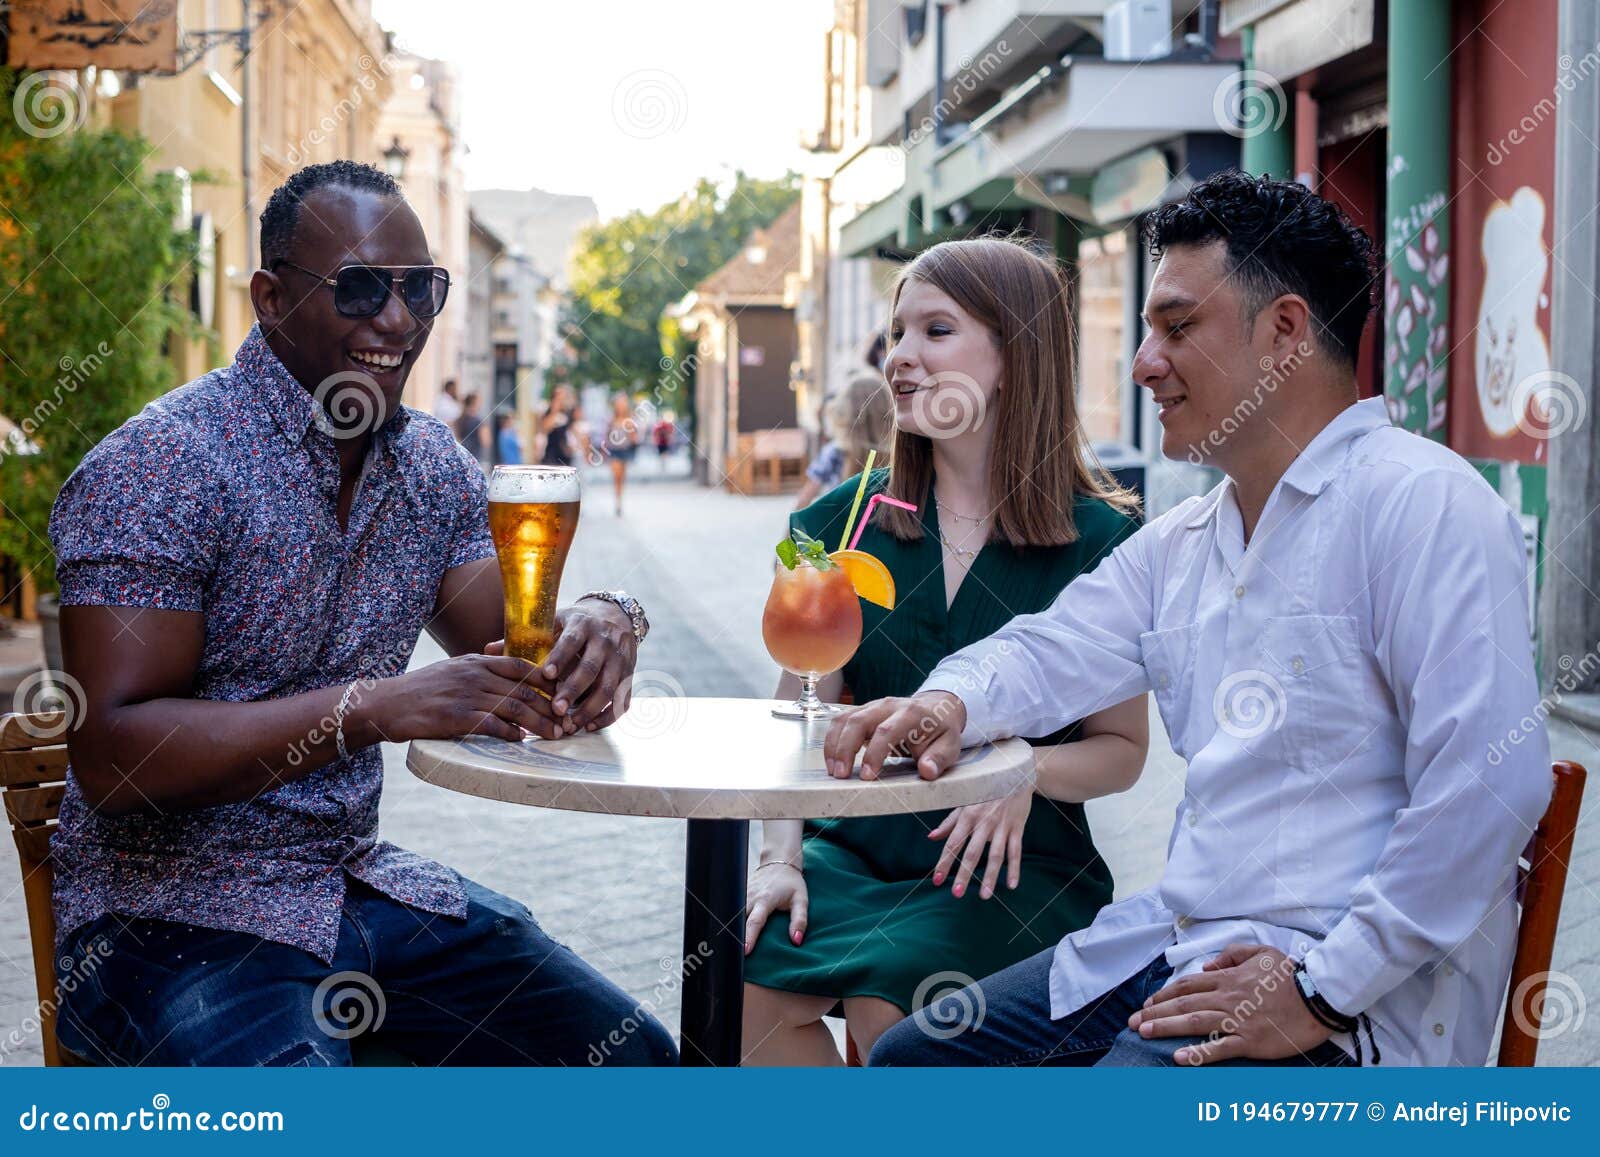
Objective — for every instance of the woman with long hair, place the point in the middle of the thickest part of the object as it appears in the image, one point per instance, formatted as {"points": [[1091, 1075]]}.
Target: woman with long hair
{"points": [[562, 429], [870, 912]]}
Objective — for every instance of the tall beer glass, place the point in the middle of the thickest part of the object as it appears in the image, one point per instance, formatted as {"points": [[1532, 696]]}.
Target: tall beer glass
{"points": [[533, 514]]}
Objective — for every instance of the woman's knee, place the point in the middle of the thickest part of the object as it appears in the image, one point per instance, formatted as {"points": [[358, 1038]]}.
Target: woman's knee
{"points": [[868, 1018]]}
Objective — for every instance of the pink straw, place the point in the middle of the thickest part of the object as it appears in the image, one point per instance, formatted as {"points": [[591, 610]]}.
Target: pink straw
{"points": [[867, 517]]}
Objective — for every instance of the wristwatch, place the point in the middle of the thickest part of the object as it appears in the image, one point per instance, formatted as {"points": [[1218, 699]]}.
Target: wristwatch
{"points": [[630, 607]]}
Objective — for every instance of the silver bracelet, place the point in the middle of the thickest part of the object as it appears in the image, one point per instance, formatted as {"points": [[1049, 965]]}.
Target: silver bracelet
{"points": [[338, 719], [769, 864]]}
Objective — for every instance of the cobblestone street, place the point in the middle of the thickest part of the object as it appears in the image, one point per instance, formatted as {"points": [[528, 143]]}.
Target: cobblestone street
{"points": [[611, 887]]}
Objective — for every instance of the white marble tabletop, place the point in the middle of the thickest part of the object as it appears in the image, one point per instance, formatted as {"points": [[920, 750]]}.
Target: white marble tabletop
{"points": [[690, 758]]}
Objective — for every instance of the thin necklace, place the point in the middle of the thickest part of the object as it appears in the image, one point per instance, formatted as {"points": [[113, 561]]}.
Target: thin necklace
{"points": [[961, 553], [956, 513]]}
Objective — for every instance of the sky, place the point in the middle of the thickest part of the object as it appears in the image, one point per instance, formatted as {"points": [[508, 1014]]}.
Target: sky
{"points": [[627, 101]]}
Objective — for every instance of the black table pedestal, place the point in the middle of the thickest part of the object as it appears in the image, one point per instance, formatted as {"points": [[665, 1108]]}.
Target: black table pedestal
{"points": [[713, 942]]}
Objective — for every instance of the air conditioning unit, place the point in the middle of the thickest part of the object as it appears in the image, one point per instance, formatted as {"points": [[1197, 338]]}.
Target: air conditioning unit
{"points": [[1138, 30]]}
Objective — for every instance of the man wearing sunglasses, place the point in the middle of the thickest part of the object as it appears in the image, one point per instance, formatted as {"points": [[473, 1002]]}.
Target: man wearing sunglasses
{"points": [[245, 568]]}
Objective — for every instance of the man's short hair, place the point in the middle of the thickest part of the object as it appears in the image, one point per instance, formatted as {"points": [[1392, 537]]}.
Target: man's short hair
{"points": [[1281, 238], [282, 214]]}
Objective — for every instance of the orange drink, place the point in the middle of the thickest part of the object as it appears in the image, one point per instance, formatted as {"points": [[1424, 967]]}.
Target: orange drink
{"points": [[812, 622]]}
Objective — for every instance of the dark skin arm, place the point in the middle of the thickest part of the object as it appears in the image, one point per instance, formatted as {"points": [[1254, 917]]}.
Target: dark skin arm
{"points": [[145, 745], [586, 670]]}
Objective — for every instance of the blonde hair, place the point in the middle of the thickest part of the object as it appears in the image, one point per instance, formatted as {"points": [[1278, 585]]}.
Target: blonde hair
{"points": [[1041, 459], [861, 418]]}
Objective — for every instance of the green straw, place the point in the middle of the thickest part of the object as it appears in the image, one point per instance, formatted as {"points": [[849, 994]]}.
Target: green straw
{"points": [[855, 506]]}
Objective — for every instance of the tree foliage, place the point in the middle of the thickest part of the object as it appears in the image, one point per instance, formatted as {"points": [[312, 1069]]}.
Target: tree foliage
{"points": [[626, 271], [89, 253]]}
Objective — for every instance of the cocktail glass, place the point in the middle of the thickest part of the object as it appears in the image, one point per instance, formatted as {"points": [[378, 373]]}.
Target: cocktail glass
{"points": [[811, 626]]}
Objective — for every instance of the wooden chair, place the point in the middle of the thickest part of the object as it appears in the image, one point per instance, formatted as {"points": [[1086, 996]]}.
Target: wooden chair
{"points": [[33, 770], [1540, 885]]}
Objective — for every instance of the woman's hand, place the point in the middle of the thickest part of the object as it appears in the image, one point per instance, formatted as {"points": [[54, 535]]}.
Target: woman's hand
{"points": [[776, 888], [998, 826]]}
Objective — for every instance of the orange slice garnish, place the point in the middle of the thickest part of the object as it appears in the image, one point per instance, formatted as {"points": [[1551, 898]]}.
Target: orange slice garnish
{"points": [[868, 575]]}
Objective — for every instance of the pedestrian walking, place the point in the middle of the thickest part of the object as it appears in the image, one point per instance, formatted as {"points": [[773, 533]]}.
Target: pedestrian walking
{"points": [[560, 425], [507, 446], [447, 406], [469, 428], [622, 443]]}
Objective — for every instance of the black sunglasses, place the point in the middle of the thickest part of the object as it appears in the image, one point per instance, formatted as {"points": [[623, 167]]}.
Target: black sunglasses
{"points": [[363, 290]]}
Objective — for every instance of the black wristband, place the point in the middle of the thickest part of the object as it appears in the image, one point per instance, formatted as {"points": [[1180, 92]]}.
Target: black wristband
{"points": [[1326, 1014]]}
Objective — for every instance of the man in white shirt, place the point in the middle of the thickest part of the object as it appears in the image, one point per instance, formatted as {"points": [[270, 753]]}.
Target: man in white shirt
{"points": [[1337, 639], [447, 405]]}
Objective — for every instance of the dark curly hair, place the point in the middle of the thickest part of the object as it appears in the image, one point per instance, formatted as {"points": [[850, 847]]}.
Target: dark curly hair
{"points": [[282, 214], [1281, 238]]}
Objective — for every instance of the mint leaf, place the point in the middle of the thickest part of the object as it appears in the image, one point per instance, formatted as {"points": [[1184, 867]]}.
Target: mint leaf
{"points": [[800, 545]]}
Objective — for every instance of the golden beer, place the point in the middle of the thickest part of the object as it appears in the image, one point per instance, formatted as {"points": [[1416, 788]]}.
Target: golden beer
{"points": [[533, 514]]}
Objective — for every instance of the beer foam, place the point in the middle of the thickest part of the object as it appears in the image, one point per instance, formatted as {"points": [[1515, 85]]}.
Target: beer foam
{"points": [[534, 484]]}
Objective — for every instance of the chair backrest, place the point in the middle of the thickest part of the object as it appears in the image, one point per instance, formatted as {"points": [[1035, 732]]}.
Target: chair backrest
{"points": [[33, 771], [1542, 879]]}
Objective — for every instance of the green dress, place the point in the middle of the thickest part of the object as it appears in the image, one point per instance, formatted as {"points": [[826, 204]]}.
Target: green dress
{"points": [[878, 926]]}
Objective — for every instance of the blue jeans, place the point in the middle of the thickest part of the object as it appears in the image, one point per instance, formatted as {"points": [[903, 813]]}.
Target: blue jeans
{"points": [[493, 989], [1015, 1027]]}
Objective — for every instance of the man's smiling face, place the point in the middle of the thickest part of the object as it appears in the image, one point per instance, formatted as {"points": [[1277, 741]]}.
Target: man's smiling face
{"points": [[340, 226], [1199, 359]]}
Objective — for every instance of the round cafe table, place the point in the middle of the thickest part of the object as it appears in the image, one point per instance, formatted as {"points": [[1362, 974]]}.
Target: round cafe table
{"points": [[718, 763]]}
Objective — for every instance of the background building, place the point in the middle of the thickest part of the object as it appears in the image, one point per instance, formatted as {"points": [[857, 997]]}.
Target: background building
{"points": [[747, 405], [542, 225], [419, 132], [311, 90]]}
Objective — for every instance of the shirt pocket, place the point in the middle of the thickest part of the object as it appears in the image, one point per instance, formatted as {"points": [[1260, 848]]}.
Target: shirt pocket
{"points": [[1311, 667], [1168, 657]]}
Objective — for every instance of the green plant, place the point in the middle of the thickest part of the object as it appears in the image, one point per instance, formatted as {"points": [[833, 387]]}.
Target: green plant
{"points": [[92, 258], [626, 271]]}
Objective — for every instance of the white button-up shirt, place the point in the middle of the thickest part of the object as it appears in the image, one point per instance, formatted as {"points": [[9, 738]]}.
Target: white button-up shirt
{"points": [[1355, 697]]}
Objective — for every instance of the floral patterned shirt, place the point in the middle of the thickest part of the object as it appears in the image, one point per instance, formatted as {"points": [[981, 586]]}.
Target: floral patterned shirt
{"points": [[221, 497]]}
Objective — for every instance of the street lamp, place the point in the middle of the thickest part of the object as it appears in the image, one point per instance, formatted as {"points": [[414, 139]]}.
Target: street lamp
{"points": [[394, 159]]}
